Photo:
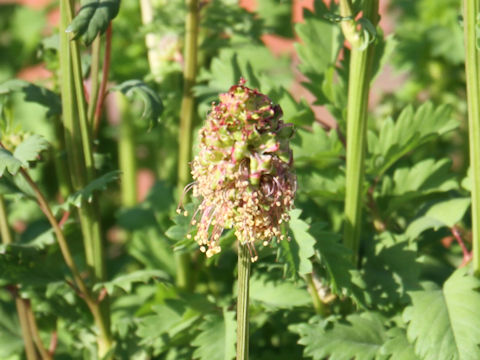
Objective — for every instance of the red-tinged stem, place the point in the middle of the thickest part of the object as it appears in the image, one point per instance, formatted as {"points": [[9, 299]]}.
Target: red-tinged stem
{"points": [[467, 255], [53, 343], [103, 85]]}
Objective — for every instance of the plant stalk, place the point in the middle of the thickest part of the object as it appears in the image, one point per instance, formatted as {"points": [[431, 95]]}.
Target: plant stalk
{"points": [[103, 84], [187, 113], [361, 62], [94, 70], [472, 69], [78, 143], [318, 304], [105, 341], [19, 303], [244, 263], [126, 153]]}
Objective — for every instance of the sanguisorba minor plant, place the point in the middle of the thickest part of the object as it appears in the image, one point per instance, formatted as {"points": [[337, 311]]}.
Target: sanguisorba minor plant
{"points": [[243, 174]]}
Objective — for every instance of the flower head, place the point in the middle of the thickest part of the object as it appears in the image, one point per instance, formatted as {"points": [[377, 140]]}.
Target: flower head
{"points": [[243, 171]]}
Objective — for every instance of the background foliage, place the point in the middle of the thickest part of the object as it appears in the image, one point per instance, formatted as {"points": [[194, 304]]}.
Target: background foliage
{"points": [[409, 294]]}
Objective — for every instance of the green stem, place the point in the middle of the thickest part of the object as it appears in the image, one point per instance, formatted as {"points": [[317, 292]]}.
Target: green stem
{"points": [[94, 69], [105, 341], [126, 153], [472, 68], [79, 151], [187, 113], [318, 304], [32, 322], [358, 90], [20, 305], [242, 301]]}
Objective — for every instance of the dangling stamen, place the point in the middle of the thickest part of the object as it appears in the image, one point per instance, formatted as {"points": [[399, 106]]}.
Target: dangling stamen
{"points": [[186, 189]]}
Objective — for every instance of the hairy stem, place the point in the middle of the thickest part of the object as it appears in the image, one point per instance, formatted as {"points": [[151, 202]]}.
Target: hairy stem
{"points": [[19, 303], [187, 113], [358, 91], [472, 69], [242, 301]]}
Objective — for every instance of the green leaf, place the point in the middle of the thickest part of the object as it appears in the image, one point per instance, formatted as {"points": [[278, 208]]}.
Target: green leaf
{"points": [[277, 293], [424, 178], [183, 231], [93, 18], [126, 281], [171, 319], [443, 214], [152, 249], [389, 270], [30, 148], [317, 147], [409, 131], [336, 259], [28, 265], [11, 341], [8, 162], [34, 93], [359, 339], [27, 151], [153, 105], [296, 253], [397, 347], [216, 340], [86, 194], [445, 323], [318, 50]]}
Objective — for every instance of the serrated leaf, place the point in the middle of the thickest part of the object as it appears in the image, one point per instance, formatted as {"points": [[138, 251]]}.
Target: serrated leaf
{"points": [[278, 293], [397, 347], [86, 194], [411, 130], [444, 214], [28, 265], [390, 269], [296, 253], [317, 147], [360, 339], [336, 259], [425, 177], [11, 341], [30, 148], [125, 282], [93, 18], [8, 162], [169, 320], [153, 105], [216, 340], [34, 93], [447, 316], [318, 50]]}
